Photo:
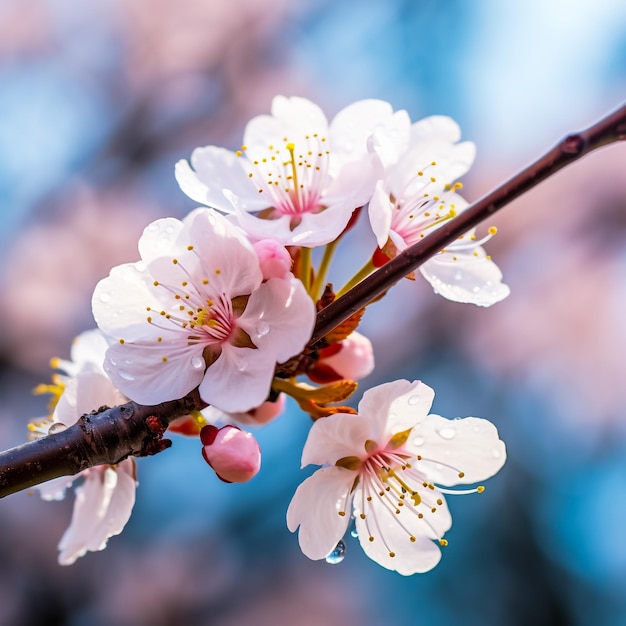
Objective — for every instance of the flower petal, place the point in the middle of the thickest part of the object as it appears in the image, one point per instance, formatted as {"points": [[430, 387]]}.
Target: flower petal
{"points": [[380, 212], [463, 277], [102, 507], [395, 407], [141, 373], [470, 446], [218, 170], [315, 507], [279, 317], [239, 380], [337, 436], [390, 538]]}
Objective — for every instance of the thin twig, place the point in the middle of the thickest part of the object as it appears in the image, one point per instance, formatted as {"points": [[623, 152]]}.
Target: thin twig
{"points": [[109, 436]]}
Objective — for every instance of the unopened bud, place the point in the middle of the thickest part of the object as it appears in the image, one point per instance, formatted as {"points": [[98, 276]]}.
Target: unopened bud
{"points": [[262, 414], [351, 359], [274, 259], [233, 453]]}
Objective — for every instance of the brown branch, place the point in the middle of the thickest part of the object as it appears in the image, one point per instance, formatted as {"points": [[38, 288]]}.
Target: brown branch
{"points": [[108, 436], [608, 130]]}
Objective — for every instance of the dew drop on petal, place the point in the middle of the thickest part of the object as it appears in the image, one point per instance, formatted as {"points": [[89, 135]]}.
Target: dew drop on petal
{"points": [[242, 366], [458, 276], [413, 400], [169, 230], [447, 432], [153, 227], [262, 329], [418, 441], [57, 427], [125, 375], [104, 296], [197, 362], [496, 453], [338, 554], [140, 266]]}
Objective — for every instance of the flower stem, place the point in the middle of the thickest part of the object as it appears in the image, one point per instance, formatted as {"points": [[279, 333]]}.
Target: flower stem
{"points": [[305, 268], [320, 275], [608, 130], [363, 273]]}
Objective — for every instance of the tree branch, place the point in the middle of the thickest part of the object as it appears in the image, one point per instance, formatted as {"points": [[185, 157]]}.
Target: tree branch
{"points": [[608, 130], [110, 435]]}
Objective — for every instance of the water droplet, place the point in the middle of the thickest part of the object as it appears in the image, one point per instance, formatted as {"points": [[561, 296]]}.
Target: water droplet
{"points": [[496, 453], [458, 276], [153, 227], [140, 266], [476, 429], [104, 296], [447, 432], [197, 362], [338, 554], [169, 230], [262, 328], [242, 366], [125, 375], [57, 427], [418, 441], [475, 289], [413, 400]]}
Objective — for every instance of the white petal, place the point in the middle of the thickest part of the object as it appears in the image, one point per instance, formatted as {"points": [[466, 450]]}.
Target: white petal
{"points": [[159, 238], [239, 380], [89, 347], [468, 279], [336, 436], [395, 407], [227, 258], [120, 300], [315, 508], [55, 489], [102, 507], [390, 537], [218, 170], [141, 374], [355, 124], [279, 317], [470, 446], [437, 127], [380, 210]]}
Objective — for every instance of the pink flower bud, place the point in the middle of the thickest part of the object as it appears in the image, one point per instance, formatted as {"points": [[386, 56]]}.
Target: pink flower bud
{"points": [[274, 259], [351, 359], [262, 414], [233, 453]]}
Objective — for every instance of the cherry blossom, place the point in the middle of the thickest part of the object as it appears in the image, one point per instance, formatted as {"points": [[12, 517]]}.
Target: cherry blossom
{"points": [[352, 359], [297, 178], [195, 311], [105, 499], [386, 466], [418, 194], [233, 453]]}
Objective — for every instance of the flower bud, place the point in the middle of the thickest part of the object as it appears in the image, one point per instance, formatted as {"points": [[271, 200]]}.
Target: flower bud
{"points": [[350, 359], [262, 414], [233, 453], [274, 259]]}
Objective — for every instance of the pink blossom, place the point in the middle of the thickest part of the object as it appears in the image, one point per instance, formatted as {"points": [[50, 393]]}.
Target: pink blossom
{"points": [[385, 466], [233, 453], [195, 312]]}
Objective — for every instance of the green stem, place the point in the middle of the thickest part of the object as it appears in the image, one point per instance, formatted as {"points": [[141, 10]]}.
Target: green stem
{"points": [[364, 272], [305, 268], [320, 275]]}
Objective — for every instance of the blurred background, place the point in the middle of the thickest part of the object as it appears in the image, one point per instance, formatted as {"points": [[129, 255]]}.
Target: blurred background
{"points": [[97, 102]]}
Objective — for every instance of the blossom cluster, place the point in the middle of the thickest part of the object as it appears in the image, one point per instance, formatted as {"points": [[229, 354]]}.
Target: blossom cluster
{"points": [[225, 301]]}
